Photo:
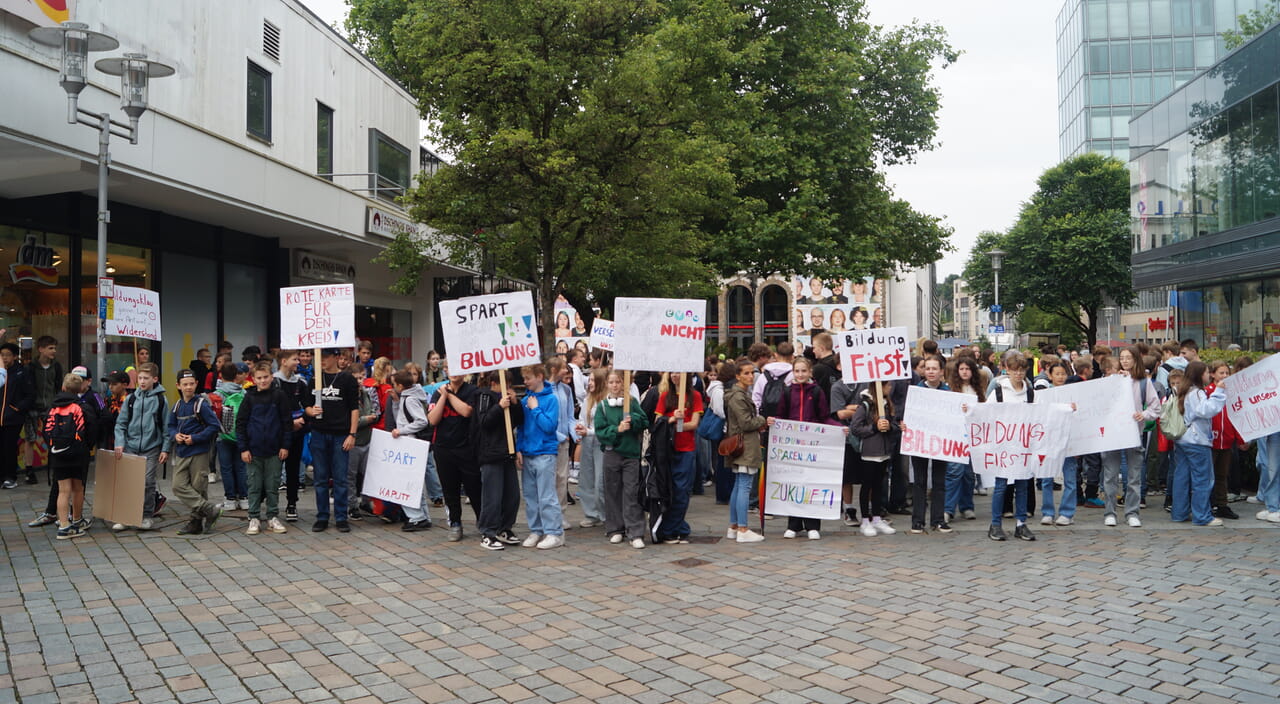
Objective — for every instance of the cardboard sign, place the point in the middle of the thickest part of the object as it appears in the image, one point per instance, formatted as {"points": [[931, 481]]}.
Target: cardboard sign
{"points": [[397, 468], [1253, 399], [602, 334], [805, 469], [874, 355], [490, 332], [1103, 419], [119, 487], [659, 334], [317, 316], [133, 312], [1018, 440], [936, 426]]}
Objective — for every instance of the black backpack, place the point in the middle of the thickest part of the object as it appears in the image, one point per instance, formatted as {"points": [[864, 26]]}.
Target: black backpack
{"points": [[64, 427], [775, 388]]}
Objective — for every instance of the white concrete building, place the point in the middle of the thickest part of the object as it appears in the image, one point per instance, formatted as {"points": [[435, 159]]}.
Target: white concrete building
{"points": [[271, 159]]}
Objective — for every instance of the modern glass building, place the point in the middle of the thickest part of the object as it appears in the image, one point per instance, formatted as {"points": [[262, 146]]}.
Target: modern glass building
{"points": [[1116, 57], [1205, 180]]}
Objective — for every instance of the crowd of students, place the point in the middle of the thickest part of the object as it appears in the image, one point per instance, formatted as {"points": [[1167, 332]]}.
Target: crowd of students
{"points": [[637, 454]]}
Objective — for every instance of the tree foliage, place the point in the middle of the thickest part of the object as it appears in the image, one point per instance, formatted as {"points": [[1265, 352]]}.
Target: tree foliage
{"points": [[1032, 319], [1068, 253], [1251, 23]]}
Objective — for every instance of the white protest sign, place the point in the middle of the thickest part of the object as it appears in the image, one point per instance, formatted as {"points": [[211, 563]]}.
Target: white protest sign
{"points": [[134, 312], [805, 469], [1103, 419], [397, 468], [602, 334], [490, 332], [659, 334], [317, 316], [882, 354], [936, 426], [1018, 440], [1253, 399]]}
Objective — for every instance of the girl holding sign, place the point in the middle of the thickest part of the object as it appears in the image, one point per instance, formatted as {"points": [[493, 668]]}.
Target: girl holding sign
{"points": [[674, 529], [620, 435], [1192, 457], [962, 377], [880, 440], [1147, 403], [804, 401]]}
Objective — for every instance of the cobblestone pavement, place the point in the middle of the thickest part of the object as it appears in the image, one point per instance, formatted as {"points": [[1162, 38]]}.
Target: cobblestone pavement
{"points": [[1085, 614]]}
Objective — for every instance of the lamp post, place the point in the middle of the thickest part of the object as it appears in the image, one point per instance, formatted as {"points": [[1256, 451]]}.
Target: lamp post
{"points": [[76, 40], [997, 259], [1107, 312]]}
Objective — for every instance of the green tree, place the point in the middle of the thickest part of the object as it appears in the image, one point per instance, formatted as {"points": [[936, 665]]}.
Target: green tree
{"points": [[1068, 253], [1032, 319], [1251, 24]]}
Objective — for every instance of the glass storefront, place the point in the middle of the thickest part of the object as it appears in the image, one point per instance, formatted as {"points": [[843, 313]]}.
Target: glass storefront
{"points": [[1243, 313], [127, 266], [391, 332], [35, 294]]}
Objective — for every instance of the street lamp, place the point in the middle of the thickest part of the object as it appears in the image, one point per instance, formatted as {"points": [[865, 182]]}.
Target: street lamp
{"points": [[76, 40], [997, 258], [1107, 312]]}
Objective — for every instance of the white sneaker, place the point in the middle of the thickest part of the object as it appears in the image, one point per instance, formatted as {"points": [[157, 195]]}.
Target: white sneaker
{"points": [[637, 543], [732, 534], [1063, 521], [242, 504], [146, 524], [1253, 500], [254, 527], [551, 541], [1109, 521], [117, 527], [749, 536], [565, 524], [1273, 517], [1134, 522], [1214, 523], [615, 538], [789, 534], [881, 527], [275, 526], [588, 523], [867, 529], [229, 505], [532, 540], [214, 477], [1046, 520], [814, 535], [968, 514]]}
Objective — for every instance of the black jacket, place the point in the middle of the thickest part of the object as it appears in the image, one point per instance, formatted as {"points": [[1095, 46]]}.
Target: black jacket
{"points": [[825, 372], [18, 396], [488, 434], [52, 384], [264, 421]]}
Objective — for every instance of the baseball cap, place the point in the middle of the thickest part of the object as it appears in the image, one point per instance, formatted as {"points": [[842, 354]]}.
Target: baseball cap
{"points": [[186, 374], [81, 371], [116, 378], [331, 351], [242, 367]]}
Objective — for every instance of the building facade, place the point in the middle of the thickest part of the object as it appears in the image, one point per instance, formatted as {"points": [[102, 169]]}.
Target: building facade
{"points": [[1205, 181], [1117, 57]]}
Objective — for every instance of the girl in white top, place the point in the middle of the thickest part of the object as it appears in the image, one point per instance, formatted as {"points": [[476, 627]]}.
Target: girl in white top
{"points": [[1146, 404], [591, 466]]}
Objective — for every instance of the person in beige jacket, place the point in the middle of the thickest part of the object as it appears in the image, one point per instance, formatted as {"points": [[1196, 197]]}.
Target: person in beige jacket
{"points": [[742, 418]]}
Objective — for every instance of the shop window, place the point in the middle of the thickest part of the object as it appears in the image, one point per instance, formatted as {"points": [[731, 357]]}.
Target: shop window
{"points": [[258, 94], [37, 284], [244, 322], [324, 141], [774, 307], [391, 332], [126, 266], [189, 313], [742, 317], [388, 167]]}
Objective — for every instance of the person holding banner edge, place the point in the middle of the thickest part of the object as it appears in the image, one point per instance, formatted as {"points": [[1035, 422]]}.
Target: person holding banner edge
{"points": [[742, 418], [1011, 388], [496, 412], [450, 410], [929, 476], [334, 422], [621, 436], [1146, 401], [679, 390], [804, 401]]}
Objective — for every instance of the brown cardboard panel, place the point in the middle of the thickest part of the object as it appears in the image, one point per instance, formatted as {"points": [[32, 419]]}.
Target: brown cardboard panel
{"points": [[120, 490]]}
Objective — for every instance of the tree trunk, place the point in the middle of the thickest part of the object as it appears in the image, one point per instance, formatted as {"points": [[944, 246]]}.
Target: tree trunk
{"points": [[1092, 334]]}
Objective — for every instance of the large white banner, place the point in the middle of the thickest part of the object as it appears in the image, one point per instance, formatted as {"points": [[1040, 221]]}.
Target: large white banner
{"points": [[936, 426], [1253, 399], [134, 312], [805, 469], [659, 334], [874, 355], [397, 468], [317, 316], [1018, 440], [1103, 419], [490, 332], [602, 334]]}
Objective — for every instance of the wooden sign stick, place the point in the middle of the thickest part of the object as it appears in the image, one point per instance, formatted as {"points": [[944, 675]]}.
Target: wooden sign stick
{"points": [[506, 412], [626, 394]]}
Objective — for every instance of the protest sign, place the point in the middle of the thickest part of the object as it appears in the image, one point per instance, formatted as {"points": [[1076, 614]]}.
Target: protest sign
{"points": [[805, 469], [1253, 399], [1103, 419], [1018, 440], [397, 468], [317, 316], [874, 355], [119, 487], [490, 332], [133, 312], [659, 334], [936, 426], [602, 334]]}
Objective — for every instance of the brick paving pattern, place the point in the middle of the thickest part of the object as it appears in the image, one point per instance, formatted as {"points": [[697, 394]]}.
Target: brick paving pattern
{"points": [[1159, 614]]}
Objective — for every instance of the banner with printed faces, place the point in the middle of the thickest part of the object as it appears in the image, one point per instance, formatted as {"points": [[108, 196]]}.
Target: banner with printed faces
{"points": [[1018, 440], [659, 334], [1103, 419], [805, 469], [1253, 399], [495, 331], [936, 426], [835, 305], [397, 468], [570, 330]]}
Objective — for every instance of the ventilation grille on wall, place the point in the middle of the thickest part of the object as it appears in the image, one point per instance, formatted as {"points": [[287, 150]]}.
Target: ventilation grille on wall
{"points": [[271, 40]]}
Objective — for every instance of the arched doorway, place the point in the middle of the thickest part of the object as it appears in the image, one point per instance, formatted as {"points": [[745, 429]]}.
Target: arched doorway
{"points": [[742, 317], [774, 314]]}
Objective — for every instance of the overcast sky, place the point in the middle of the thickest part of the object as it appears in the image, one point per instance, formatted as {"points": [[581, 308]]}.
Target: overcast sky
{"points": [[998, 126]]}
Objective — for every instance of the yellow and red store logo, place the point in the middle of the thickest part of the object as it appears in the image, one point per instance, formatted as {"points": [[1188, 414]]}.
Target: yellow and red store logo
{"points": [[49, 13], [34, 263]]}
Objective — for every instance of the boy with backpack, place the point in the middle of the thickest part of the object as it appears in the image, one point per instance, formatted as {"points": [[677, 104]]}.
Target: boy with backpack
{"points": [[264, 433], [140, 430], [412, 421], [226, 400], [192, 428], [67, 429]]}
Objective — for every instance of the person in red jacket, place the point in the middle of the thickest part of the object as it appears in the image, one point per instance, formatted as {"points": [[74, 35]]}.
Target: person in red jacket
{"points": [[1225, 439]]}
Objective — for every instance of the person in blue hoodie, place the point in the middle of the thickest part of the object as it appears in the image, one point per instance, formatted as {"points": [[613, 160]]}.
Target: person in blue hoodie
{"points": [[140, 430], [192, 428], [1192, 459], [264, 434], [536, 449]]}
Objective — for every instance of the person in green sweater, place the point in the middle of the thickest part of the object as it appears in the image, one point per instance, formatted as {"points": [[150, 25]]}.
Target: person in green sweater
{"points": [[620, 438]]}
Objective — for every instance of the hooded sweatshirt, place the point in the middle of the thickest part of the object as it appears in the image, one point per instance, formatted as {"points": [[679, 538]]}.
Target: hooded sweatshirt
{"points": [[61, 404], [1009, 395], [777, 370], [412, 416], [264, 422], [194, 417], [538, 431], [1200, 408], [143, 422]]}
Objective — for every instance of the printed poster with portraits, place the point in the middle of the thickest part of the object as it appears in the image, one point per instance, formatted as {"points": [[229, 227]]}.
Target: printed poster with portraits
{"points": [[570, 328], [835, 305]]}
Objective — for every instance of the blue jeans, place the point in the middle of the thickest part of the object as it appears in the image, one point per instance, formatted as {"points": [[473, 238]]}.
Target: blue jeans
{"points": [[235, 477], [739, 499], [1070, 482], [433, 489], [419, 513], [329, 461], [1019, 500], [1192, 477], [541, 504], [959, 488], [682, 471], [1269, 471]]}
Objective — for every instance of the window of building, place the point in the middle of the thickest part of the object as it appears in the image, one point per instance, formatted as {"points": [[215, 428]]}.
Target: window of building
{"points": [[37, 278], [388, 167], [1098, 94], [1119, 56], [1097, 19], [324, 140], [1184, 53], [1099, 57], [128, 266], [1141, 55], [1160, 18], [1120, 89], [1139, 18], [1162, 54], [258, 94], [1118, 17], [1142, 89], [773, 305], [1203, 16], [1182, 17], [390, 330], [742, 317]]}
